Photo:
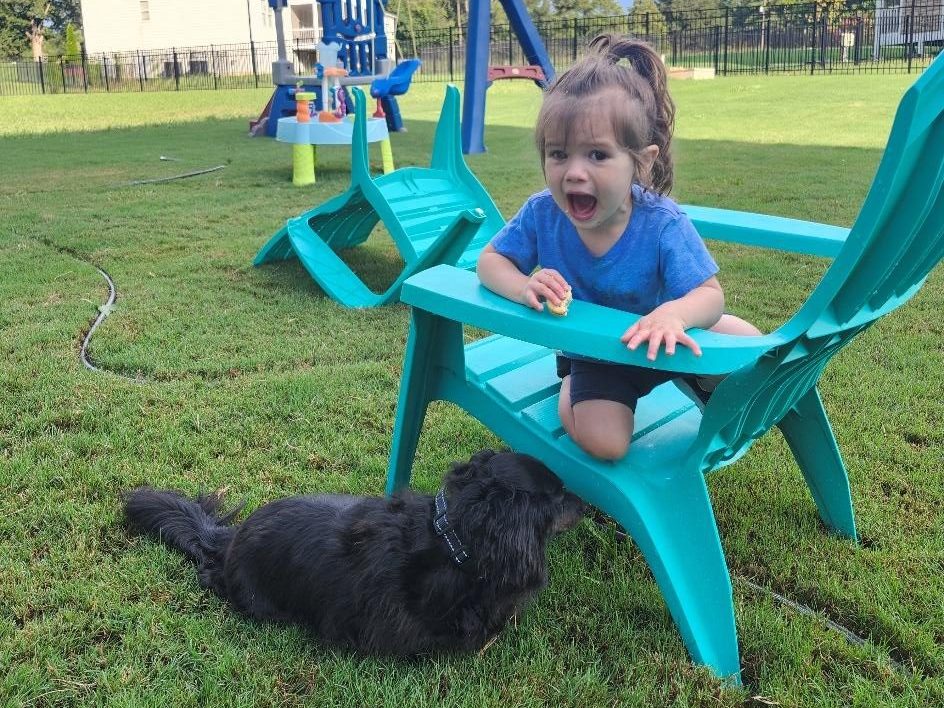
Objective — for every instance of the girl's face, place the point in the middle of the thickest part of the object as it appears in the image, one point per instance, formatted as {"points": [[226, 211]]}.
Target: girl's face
{"points": [[590, 175]]}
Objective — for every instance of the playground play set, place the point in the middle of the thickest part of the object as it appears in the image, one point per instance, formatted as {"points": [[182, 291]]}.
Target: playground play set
{"points": [[353, 51], [441, 216]]}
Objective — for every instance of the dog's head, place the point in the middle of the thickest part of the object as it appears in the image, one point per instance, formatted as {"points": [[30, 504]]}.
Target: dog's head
{"points": [[505, 507]]}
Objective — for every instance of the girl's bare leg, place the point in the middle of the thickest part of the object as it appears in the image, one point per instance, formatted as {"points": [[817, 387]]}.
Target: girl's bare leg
{"points": [[729, 324], [603, 429]]}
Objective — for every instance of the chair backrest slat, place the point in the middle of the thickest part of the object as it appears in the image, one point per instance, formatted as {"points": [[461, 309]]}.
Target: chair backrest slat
{"points": [[895, 242], [751, 401], [360, 167], [923, 256], [910, 227]]}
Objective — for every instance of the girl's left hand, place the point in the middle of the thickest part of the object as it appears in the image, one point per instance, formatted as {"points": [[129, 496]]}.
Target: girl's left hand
{"points": [[658, 328]]}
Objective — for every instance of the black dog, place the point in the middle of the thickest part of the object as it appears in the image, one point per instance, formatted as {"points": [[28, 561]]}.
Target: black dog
{"points": [[404, 576]]}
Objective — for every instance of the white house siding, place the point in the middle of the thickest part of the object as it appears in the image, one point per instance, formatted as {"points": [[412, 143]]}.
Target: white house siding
{"points": [[117, 25], [174, 26]]}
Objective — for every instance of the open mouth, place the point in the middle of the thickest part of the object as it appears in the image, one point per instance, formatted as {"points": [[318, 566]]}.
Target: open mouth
{"points": [[581, 206]]}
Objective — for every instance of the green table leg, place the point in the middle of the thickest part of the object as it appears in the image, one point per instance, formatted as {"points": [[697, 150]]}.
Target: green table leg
{"points": [[386, 154], [303, 165]]}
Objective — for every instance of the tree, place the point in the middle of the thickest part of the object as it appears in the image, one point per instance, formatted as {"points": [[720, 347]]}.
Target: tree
{"points": [[568, 9], [12, 31], [71, 48], [540, 11], [27, 22], [646, 19], [689, 5], [416, 15], [547, 10]]}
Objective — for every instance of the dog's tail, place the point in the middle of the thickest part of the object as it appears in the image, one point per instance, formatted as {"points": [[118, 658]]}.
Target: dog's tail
{"points": [[196, 527]]}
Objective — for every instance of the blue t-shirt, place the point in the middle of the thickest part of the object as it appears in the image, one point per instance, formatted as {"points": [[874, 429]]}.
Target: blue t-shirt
{"points": [[659, 257]]}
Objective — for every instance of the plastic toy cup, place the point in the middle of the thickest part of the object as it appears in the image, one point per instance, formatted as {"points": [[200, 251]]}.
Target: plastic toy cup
{"points": [[303, 105]]}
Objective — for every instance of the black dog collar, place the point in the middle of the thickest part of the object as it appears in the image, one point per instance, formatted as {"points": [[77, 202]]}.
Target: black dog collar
{"points": [[443, 528]]}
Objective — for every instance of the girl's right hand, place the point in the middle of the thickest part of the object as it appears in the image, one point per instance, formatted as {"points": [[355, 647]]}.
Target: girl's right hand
{"points": [[544, 284]]}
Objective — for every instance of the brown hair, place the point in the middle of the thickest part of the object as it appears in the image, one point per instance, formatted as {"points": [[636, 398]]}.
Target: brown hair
{"points": [[632, 67]]}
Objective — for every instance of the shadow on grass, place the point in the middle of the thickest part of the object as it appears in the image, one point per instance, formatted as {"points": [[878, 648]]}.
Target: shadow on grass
{"points": [[185, 246]]}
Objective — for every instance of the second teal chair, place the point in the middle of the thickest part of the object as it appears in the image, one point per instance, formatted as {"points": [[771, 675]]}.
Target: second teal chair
{"points": [[436, 214], [658, 492]]}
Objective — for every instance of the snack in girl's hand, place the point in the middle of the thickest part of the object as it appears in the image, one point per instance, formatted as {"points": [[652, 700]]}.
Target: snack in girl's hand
{"points": [[561, 310]]}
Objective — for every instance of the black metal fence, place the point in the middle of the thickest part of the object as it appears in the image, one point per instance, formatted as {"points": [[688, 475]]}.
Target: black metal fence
{"points": [[175, 69], [810, 38]]}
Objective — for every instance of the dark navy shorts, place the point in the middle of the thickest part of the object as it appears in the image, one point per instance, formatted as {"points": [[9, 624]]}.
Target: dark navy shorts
{"points": [[600, 380]]}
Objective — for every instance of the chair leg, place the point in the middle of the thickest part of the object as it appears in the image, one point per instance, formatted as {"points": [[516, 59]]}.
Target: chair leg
{"points": [[429, 347], [810, 436], [672, 522]]}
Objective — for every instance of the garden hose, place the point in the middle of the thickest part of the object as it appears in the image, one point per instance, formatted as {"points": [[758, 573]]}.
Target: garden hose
{"points": [[103, 312], [170, 179]]}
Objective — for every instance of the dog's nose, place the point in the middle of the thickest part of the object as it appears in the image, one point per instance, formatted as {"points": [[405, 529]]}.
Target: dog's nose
{"points": [[572, 511], [578, 504]]}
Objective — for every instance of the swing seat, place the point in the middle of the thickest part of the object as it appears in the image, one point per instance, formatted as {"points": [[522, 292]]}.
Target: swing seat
{"points": [[397, 82], [658, 492], [439, 214]]}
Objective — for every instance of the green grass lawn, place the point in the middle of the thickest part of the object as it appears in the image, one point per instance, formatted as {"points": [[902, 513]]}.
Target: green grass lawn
{"points": [[218, 374]]}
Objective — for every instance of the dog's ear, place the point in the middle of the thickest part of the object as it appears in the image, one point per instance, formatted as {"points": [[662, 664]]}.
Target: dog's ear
{"points": [[506, 525], [508, 532], [477, 466], [482, 457]]}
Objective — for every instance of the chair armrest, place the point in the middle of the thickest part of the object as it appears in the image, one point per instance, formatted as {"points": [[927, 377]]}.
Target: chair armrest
{"points": [[777, 232], [588, 330]]}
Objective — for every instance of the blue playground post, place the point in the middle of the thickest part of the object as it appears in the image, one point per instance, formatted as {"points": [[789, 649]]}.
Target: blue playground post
{"points": [[476, 65]]}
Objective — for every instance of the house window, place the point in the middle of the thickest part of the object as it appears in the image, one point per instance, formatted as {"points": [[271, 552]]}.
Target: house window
{"points": [[145, 11]]}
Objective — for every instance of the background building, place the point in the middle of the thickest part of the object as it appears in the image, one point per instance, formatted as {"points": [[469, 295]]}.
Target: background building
{"points": [[111, 26], [172, 39]]}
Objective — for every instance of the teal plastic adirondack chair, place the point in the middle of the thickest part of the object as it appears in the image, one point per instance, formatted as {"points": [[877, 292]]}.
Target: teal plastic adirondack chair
{"points": [[439, 214], [658, 492]]}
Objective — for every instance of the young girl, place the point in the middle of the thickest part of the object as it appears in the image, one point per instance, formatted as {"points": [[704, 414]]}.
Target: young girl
{"points": [[605, 230]]}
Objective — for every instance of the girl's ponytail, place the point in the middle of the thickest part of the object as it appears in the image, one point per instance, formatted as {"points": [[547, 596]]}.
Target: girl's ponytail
{"points": [[642, 59]]}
